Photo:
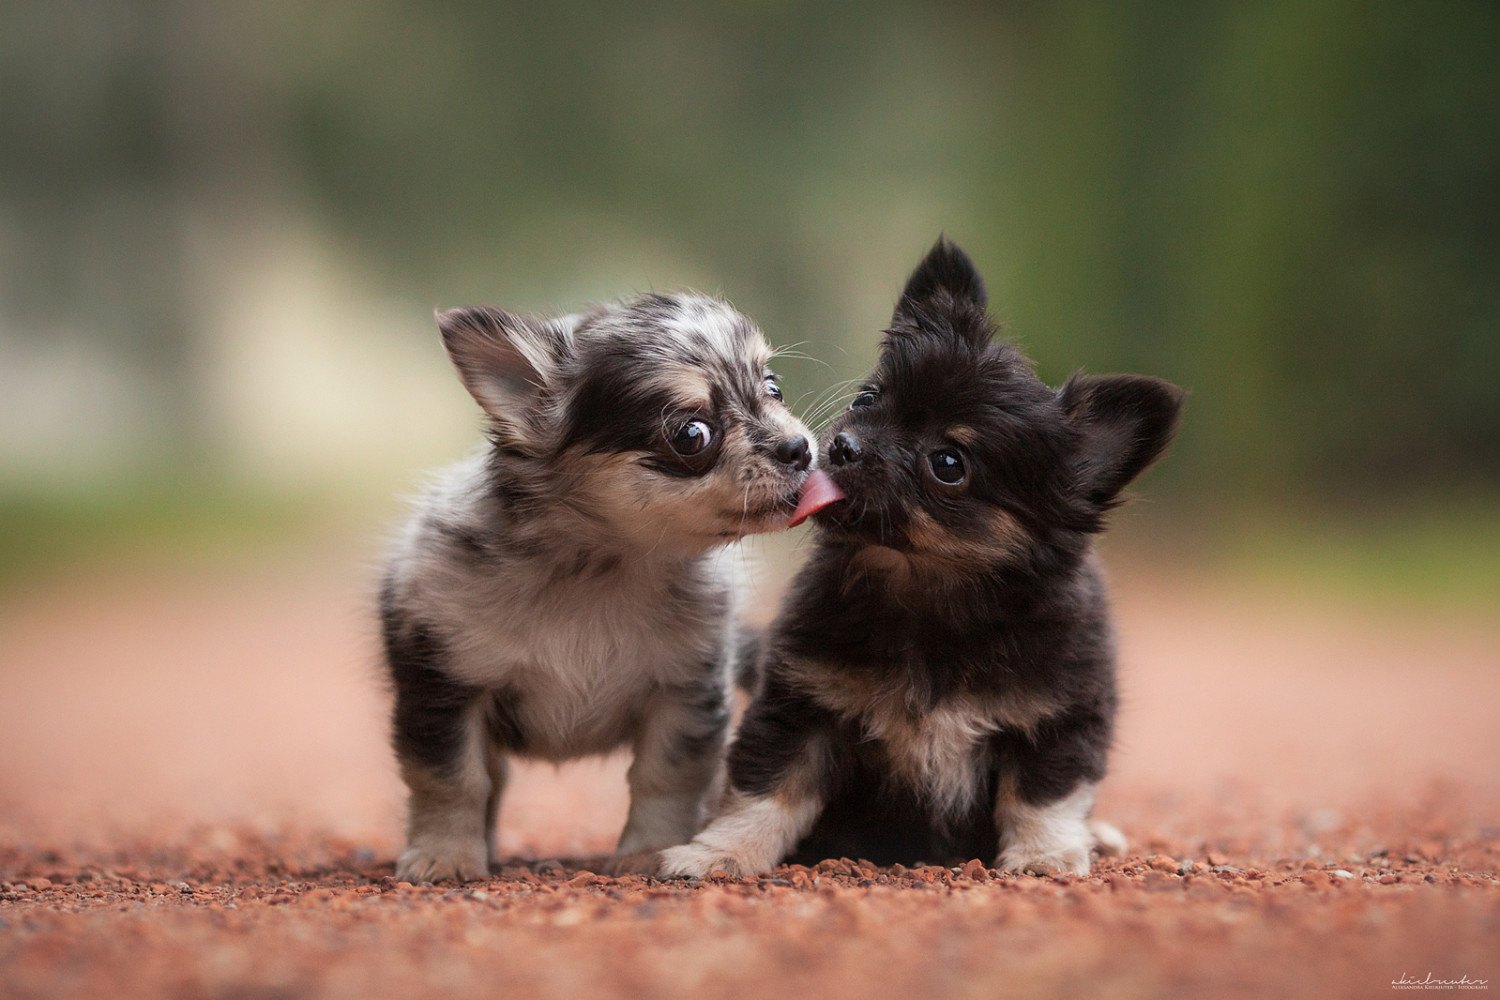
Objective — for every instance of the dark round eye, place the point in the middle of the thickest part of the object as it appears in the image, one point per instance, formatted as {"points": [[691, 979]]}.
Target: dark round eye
{"points": [[866, 397], [772, 388], [947, 466], [692, 438]]}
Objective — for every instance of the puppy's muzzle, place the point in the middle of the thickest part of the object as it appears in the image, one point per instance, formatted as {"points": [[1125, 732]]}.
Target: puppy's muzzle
{"points": [[845, 449], [794, 451]]}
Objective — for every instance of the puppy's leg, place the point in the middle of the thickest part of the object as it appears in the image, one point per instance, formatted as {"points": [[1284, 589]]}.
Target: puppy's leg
{"points": [[751, 836], [1108, 839], [777, 771], [443, 749], [679, 752], [1049, 838], [1046, 792], [497, 769]]}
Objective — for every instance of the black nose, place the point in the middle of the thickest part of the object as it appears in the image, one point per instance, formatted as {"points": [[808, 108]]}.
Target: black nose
{"points": [[845, 449], [795, 451]]}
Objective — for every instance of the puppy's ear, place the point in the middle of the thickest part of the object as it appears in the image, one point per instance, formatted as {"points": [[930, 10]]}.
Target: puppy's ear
{"points": [[509, 364], [1124, 422], [948, 269]]}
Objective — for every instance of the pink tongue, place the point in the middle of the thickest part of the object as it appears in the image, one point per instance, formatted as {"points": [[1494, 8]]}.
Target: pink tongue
{"points": [[817, 492]]}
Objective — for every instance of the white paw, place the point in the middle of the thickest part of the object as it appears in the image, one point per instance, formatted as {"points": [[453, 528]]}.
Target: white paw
{"points": [[463, 862], [1051, 839], [1072, 859], [696, 860], [1108, 839]]}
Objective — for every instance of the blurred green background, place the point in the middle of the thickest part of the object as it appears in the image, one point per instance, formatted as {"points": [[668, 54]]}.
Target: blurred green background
{"points": [[224, 226]]}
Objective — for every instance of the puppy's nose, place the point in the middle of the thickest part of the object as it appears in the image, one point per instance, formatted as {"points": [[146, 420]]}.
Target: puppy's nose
{"points": [[795, 452], [845, 449]]}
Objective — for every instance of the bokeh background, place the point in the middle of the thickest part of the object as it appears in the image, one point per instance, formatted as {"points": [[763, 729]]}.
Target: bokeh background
{"points": [[225, 224], [224, 227]]}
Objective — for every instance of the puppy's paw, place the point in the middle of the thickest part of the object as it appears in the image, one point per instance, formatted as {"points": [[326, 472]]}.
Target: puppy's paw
{"points": [[1071, 859], [1108, 840], [1060, 847], [436, 862], [696, 860], [634, 863], [1055, 838]]}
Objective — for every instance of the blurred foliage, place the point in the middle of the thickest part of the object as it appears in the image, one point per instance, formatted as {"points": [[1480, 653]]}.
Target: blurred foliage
{"points": [[1292, 208], [161, 522], [1404, 558]]}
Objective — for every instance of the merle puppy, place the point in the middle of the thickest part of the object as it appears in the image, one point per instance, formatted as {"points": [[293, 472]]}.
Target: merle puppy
{"points": [[940, 684], [558, 594]]}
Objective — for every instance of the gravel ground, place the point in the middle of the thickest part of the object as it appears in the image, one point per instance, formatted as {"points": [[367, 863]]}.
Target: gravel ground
{"points": [[196, 801]]}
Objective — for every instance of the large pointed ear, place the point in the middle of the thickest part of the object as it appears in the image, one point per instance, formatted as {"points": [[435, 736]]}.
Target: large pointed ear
{"points": [[509, 364], [948, 269], [1124, 422]]}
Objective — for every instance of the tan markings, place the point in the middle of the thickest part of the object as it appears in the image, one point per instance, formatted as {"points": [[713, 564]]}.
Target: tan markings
{"points": [[689, 385], [933, 746], [963, 435], [802, 779], [879, 560], [1000, 540], [937, 558]]}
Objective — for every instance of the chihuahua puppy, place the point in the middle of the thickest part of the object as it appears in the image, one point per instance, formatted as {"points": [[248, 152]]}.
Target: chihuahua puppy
{"points": [[559, 593], [940, 684]]}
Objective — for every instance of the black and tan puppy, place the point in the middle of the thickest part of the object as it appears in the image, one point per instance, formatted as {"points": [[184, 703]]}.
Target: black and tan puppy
{"points": [[940, 684]]}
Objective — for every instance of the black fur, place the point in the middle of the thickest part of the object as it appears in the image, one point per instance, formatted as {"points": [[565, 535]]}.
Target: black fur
{"points": [[503, 721], [428, 719], [703, 733], [621, 404], [935, 596]]}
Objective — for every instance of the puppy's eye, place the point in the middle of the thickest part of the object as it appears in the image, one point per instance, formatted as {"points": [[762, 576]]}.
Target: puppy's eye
{"points": [[866, 397], [947, 466], [692, 438], [772, 389]]}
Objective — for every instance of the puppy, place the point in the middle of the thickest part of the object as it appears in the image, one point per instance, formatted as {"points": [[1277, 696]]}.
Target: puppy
{"points": [[940, 684], [558, 594]]}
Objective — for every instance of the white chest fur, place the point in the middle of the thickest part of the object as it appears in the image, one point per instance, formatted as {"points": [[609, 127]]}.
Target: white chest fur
{"points": [[937, 752], [581, 649], [581, 659]]}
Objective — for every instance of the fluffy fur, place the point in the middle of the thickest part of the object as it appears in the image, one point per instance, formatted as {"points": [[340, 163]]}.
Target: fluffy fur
{"points": [[560, 593], [940, 684]]}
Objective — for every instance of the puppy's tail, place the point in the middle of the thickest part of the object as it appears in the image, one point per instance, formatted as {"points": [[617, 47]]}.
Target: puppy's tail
{"points": [[749, 645]]}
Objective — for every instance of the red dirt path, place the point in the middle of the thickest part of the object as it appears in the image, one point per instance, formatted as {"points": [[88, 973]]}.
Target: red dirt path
{"points": [[196, 800]]}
